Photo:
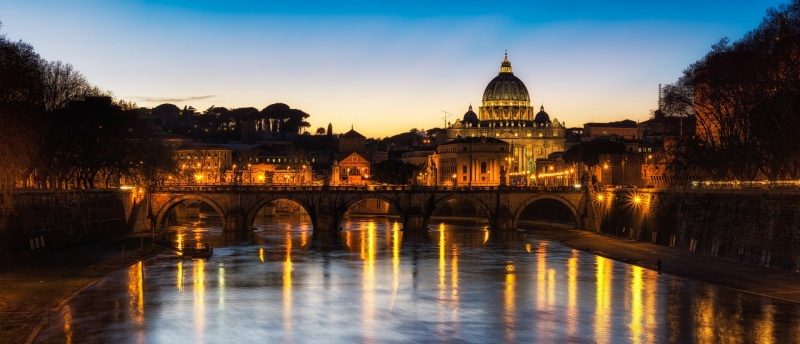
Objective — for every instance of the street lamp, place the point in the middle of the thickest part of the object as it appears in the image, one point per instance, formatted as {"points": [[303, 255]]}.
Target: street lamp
{"points": [[233, 173], [455, 180]]}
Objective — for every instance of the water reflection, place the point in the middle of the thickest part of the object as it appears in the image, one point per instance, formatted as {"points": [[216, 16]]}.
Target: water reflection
{"points": [[136, 299], [455, 283], [603, 310], [572, 294], [199, 283], [66, 315], [287, 286]]}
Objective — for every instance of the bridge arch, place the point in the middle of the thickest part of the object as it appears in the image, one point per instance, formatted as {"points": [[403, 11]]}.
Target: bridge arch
{"points": [[252, 212], [555, 198], [393, 202], [485, 208], [162, 212]]}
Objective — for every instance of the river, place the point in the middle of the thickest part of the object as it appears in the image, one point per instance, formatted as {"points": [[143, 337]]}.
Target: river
{"points": [[457, 283]]}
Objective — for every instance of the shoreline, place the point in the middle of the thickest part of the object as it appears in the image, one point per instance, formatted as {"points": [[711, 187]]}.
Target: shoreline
{"points": [[34, 289], [782, 285]]}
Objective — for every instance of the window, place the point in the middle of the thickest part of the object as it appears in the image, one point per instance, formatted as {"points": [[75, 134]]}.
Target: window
{"points": [[464, 169], [483, 167]]}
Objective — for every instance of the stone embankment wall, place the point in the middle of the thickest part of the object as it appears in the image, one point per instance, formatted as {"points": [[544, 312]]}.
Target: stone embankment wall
{"points": [[759, 227], [48, 220]]}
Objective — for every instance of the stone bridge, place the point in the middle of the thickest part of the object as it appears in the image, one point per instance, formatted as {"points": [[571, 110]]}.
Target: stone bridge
{"points": [[238, 205]]}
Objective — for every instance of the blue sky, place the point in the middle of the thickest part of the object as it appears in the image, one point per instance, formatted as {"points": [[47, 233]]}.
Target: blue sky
{"points": [[381, 67]]}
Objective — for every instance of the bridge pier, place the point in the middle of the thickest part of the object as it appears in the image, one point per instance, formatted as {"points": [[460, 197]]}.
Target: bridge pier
{"points": [[235, 221], [414, 219], [503, 220]]}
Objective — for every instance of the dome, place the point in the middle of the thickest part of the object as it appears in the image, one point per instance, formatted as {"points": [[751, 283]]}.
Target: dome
{"points": [[506, 86], [506, 98], [542, 119], [470, 118]]}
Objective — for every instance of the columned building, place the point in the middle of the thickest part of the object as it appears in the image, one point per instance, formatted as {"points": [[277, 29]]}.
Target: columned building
{"points": [[506, 114], [469, 161]]}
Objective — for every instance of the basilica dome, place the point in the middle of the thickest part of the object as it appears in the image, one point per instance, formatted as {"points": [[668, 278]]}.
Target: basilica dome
{"points": [[542, 118], [506, 97], [470, 118], [506, 86]]}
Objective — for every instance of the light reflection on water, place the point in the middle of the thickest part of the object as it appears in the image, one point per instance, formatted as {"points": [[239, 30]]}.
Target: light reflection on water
{"points": [[455, 284]]}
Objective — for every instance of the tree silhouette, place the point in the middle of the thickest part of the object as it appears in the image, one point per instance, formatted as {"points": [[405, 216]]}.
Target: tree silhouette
{"points": [[742, 94], [285, 120]]}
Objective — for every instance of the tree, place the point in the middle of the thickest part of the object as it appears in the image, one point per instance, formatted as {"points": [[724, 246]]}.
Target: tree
{"points": [[285, 120], [742, 96], [149, 162], [296, 122], [61, 83], [394, 172], [320, 131], [20, 73], [20, 108]]}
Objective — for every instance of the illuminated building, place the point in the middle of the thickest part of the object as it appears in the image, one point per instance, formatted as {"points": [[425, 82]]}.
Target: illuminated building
{"points": [[470, 161], [203, 163], [354, 169], [506, 114]]}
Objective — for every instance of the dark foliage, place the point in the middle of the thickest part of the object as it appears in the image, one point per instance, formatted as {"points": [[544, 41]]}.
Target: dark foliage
{"points": [[744, 96], [394, 172]]}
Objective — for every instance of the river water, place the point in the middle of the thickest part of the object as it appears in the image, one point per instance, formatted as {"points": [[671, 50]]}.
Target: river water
{"points": [[453, 284]]}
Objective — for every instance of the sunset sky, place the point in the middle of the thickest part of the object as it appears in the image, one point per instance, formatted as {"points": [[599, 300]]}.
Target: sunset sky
{"points": [[382, 68]]}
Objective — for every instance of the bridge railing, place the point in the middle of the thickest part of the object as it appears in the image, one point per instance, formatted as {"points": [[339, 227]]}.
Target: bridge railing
{"points": [[360, 188]]}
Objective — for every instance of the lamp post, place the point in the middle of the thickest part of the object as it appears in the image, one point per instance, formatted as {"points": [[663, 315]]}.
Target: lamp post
{"points": [[455, 179]]}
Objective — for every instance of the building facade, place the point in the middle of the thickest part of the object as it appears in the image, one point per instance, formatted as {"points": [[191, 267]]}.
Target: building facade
{"points": [[469, 161], [203, 163], [506, 114]]}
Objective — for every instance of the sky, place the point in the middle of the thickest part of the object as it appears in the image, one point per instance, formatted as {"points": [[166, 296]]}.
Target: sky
{"points": [[382, 67]]}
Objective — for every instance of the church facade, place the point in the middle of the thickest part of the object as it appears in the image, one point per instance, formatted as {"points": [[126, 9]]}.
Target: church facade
{"points": [[506, 114]]}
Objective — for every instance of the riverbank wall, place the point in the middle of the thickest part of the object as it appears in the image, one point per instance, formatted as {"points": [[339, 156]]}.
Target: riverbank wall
{"points": [[47, 220], [757, 227]]}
